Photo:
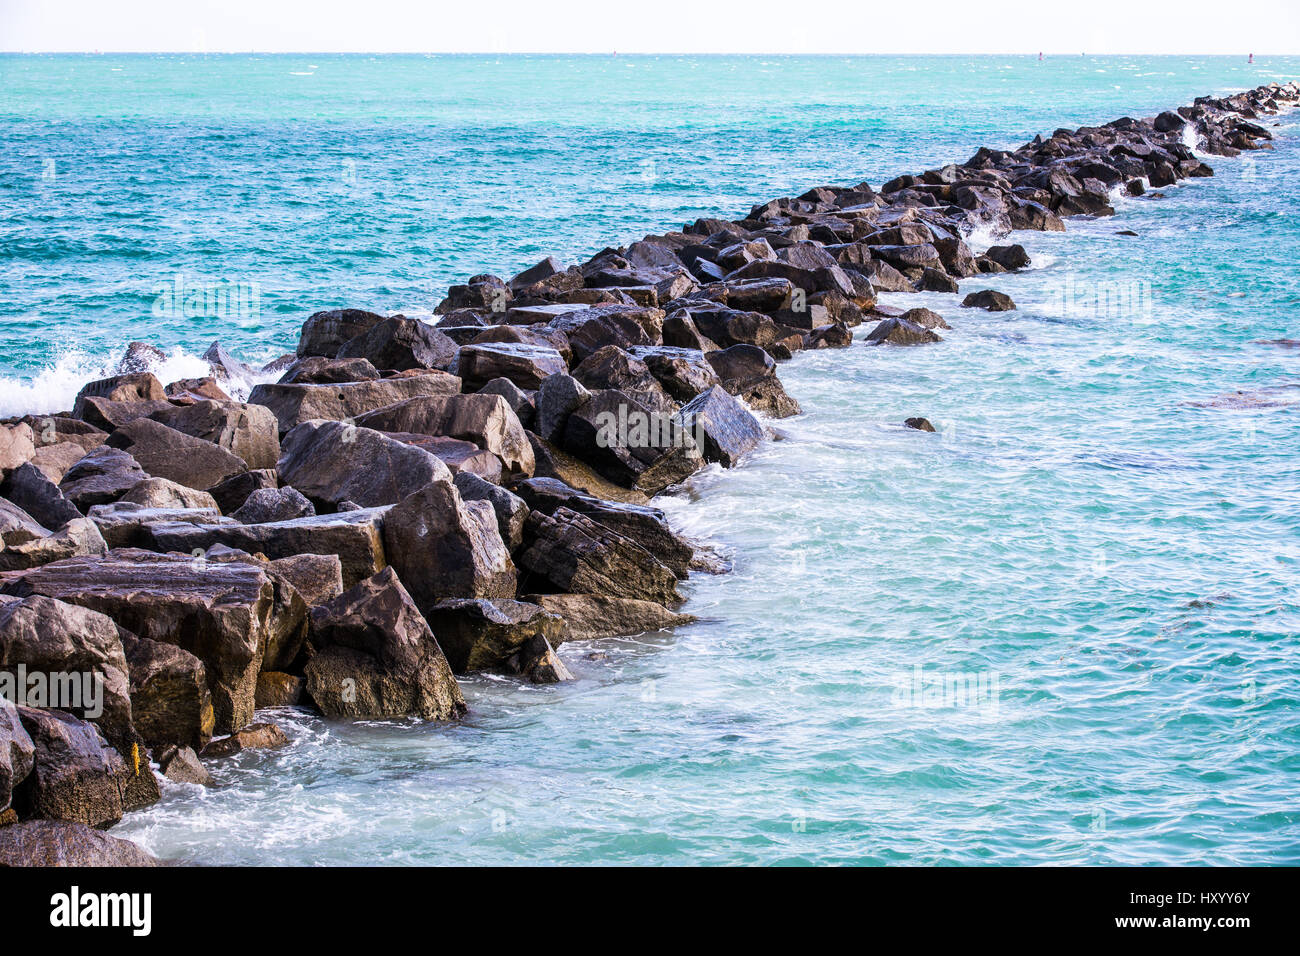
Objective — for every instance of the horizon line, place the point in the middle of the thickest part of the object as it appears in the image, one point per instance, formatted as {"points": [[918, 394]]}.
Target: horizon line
{"points": [[611, 53]]}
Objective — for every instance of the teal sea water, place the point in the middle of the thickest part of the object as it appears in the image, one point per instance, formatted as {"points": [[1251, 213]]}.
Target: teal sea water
{"points": [[1062, 629]]}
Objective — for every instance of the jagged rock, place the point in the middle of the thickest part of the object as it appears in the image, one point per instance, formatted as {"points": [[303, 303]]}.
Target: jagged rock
{"points": [[722, 427], [61, 843], [127, 525], [400, 343], [680, 331], [76, 775], [140, 357], [249, 432], [294, 404], [355, 536], [934, 280], [108, 415], [224, 367], [103, 475], [543, 270], [168, 494], [16, 752], [324, 333], [613, 368], [749, 373], [187, 391], [834, 336], [316, 370], [989, 299], [573, 553], [442, 546], [374, 656], [17, 526], [77, 537], [273, 504], [600, 325], [167, 453], [234, 491], [920, 424], [683, 373], [218, 611], [516, 398], [316, 577], [899, 331], [331, 462], [925, 318], [557, 396], [55, 460], [503, 635], [525, 365], [136, 387], [602, 615], [16, 445], [553, 462], [510, 510], [642, 524], [277, 689], [170, 700], [630, 444], [457, 455], [261, 736], [486, 420], [181, 765]]}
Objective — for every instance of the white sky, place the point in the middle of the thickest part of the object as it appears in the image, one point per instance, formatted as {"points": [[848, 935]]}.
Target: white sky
{"points": [[654, 26]]}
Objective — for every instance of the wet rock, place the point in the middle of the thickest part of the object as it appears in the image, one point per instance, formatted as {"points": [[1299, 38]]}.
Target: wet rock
{"points": [[557, 397], [573, 553], [137, 387], [76, 775], [680, 331], [456, 454], [261, 736], [164, 452], [324, 333], [170, 700], [331, 462], [486, 420], [400, 343], [683, 373], [925, 318], [1010, 257], [61, 843], [187, 391], [249, 432], [277, 689], [181, 765], [600, 325], [543, 270], [899, 331], [234, 491], [294, 404], [749, 373], [504, 635], [629, 443], [140, 357], [989, 299], [553, 462], [613, 368], [375, 656], [273, 504], [920, 424], [225, 367], [103, 475], [509, 508], [442, 546], [592, 616], [220, 612], [722, 427], [525, 365]]}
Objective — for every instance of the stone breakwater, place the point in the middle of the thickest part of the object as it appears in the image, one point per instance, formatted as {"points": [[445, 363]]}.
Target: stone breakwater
{"points": [[412, 501]]}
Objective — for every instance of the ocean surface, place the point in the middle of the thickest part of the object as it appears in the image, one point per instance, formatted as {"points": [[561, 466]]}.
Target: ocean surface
{"points": [[1061, 629]]}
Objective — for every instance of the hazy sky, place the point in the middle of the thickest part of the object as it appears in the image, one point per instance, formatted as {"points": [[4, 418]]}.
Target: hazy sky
{"points": [[692, 26]]}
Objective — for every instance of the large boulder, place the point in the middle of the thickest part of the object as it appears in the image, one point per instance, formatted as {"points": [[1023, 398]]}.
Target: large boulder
{"points": [[720, 426], [484, 419], [442, 546], [16, 752], [558, 396], [356, 537], [16, 445], [234, 491], [218, 611], [76, 774], [749, 373], [62, 843], [400, 343], [611, 367], [249, 432], [629, 443], [170, 700], [332, 462], [509, 508], [314, 370], [456, 454], [273, 504], [77, 537], [316, 577], [503, 635], [647, 526], [165, 493], [571, 552], [126, 525], [605, 615], [524, 364], [554, 462], [990, 300], [294, 404], [373, 655], [899, 331], [30, 489], [324, 333], [17, 526], [683, 373], [103, 475], [167, 453]]}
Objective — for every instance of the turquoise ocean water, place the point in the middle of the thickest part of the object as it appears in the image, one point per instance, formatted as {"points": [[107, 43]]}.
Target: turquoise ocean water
{"points": [[1062, 629]]}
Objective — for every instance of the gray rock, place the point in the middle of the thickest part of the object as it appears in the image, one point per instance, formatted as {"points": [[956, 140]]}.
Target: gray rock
{"points": [[722, 427], [103, 475], [60, 843], [294, 404], [509, 508], [167, 453], [503, 635], [273, 504], [402, 344], [249, 432]]}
